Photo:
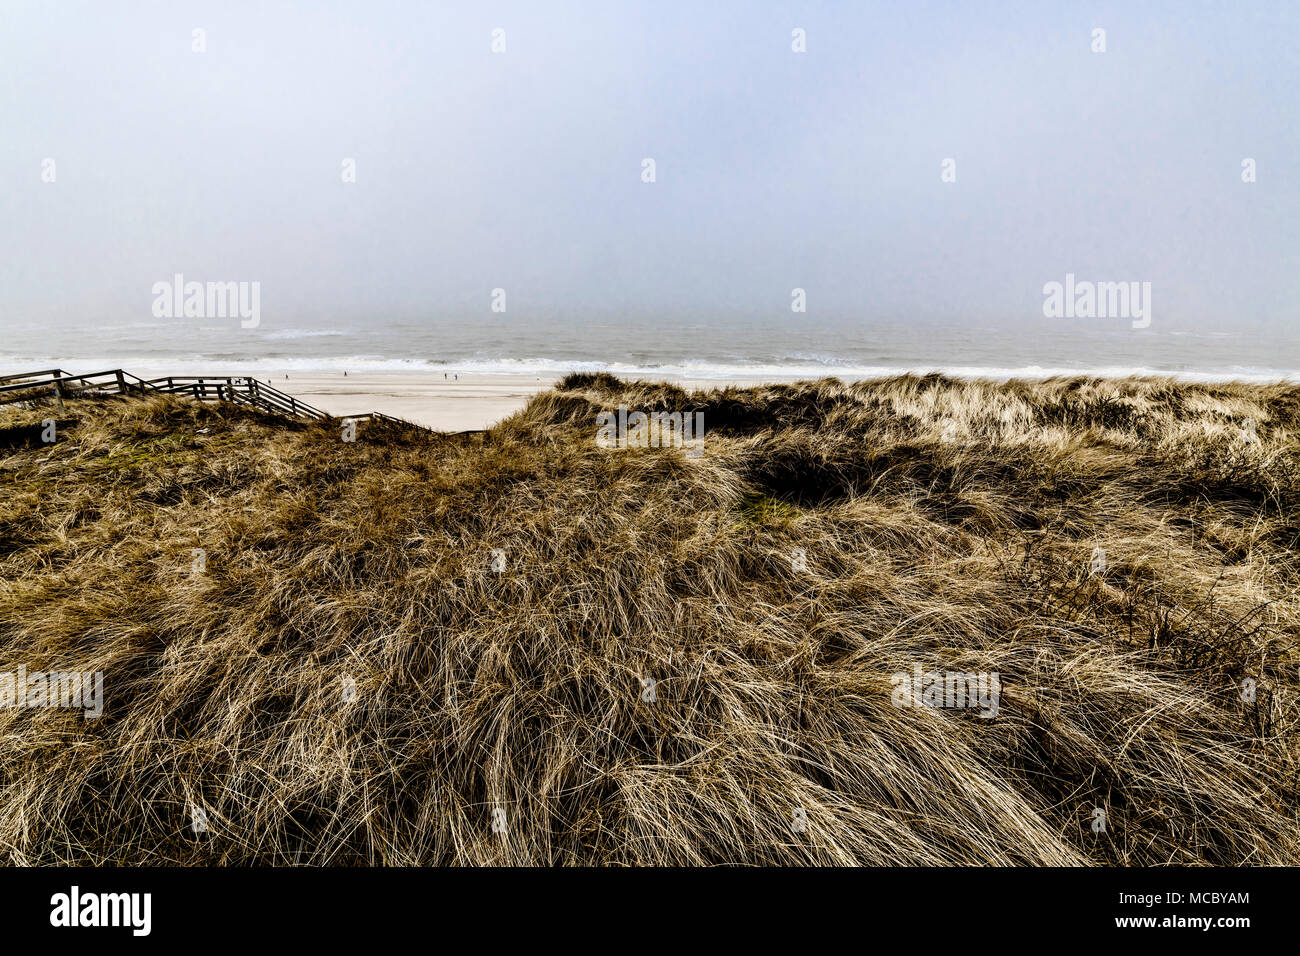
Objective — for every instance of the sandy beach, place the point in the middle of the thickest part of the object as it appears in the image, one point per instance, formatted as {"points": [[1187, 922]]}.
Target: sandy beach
{"points": [[472, 401]]}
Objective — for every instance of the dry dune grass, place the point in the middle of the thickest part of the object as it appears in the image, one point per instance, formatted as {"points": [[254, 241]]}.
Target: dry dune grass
{"points": [[944, 524]]}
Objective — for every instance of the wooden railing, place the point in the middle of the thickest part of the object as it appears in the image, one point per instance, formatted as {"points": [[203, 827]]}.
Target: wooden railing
{"points": [[235, 388], [241, 390], [394, 420], [57, 372], [113, 380]]}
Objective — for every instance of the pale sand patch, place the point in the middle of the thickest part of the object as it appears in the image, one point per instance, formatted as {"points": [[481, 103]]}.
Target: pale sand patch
{"points": [[473, 401]]}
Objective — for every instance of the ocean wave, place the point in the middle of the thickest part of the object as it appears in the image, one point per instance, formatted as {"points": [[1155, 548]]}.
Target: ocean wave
{"points": [[303, 333]]}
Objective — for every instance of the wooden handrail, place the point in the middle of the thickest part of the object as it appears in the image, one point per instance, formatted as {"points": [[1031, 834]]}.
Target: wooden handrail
{"points": [[62, 380], [56, 372]]}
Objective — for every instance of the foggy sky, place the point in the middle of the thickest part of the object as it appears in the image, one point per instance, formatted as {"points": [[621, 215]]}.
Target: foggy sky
{"points": [[775, 170]]}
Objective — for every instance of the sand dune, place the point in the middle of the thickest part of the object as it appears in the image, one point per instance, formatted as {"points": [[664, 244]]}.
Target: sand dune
{"points": [[914, 621]]}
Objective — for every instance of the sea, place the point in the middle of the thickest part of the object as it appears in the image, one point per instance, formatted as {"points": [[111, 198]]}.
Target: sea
{"points": [[776, 348]]}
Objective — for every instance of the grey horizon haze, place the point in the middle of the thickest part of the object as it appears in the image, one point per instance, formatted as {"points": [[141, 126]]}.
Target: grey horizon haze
{"points": [[774, 169]]}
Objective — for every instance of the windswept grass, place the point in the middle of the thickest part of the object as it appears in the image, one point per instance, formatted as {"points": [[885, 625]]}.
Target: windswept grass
{"points": [[945, 524]]}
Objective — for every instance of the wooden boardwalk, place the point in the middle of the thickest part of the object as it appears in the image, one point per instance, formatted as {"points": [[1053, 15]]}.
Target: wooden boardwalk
{"points": [[240, 390]]}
